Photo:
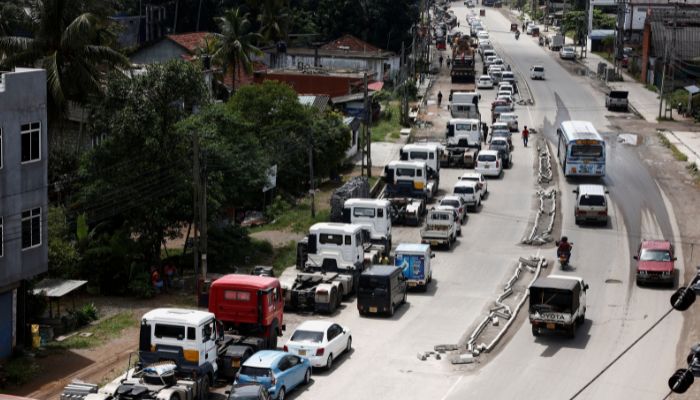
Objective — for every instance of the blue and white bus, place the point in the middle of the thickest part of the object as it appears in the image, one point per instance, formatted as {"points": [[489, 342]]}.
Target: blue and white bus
{"points": [[580, 149]]}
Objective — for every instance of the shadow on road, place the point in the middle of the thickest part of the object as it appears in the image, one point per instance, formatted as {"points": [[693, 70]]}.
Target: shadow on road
{"points": [[556, 341]]}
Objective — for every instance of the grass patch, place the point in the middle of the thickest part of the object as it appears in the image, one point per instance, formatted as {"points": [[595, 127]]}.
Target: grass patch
{"points": [[296, 218], [389, 124], [284, 257], [651, 87], [605, 55], [21, 369], [677, 154], [102, 331]]}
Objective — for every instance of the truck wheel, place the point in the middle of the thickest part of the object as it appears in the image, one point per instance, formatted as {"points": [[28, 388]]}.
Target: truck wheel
{"points": [[391, 309], [403, 301], [535, 331], [272, 337], [332, 301], [204, 388]]}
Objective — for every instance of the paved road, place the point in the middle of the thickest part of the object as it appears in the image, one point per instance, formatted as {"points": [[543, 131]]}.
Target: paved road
{"points": [[618, 311]]}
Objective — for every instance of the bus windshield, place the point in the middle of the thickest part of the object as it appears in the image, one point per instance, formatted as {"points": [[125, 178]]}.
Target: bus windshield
{"points": [[587, 150]]}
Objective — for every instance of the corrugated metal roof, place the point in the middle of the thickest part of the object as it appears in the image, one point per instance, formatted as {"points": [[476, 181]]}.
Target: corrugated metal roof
{"points": [[686, 34], [56, 287], [319, 102]]}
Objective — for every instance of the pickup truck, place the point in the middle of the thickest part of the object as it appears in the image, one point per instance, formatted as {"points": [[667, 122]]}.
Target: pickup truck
{"points": [[557, 303], [617, 100], [440, 228]]}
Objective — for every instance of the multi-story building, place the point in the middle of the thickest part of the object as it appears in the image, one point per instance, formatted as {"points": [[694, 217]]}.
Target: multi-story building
{"points": [[23, 195]]}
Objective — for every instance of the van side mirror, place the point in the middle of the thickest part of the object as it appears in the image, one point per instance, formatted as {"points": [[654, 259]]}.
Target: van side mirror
{"points": [[432, 255], [635, 257], [575, 191], [675, 258], [585, 286]]}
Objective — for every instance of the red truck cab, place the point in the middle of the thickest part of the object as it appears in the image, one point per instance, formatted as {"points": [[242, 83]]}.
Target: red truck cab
{"points": [[250, 305], [655, 262]]}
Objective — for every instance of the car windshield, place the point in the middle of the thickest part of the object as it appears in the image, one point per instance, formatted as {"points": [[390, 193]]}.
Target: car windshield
{"points": [[592, 200], [469, 178], [372, 283], [307, 336], [464, 189], [655, 255], [569, 49], [487, 157], [538, 69], [245, 393], [450, 203], [255, 371]]}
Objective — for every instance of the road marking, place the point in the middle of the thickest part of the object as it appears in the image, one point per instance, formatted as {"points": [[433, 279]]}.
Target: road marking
{"points": [[452, 387]]}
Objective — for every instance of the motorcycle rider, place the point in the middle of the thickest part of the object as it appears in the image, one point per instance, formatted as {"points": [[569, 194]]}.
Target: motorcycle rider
{"points": [[564, 248], [517, 35]]}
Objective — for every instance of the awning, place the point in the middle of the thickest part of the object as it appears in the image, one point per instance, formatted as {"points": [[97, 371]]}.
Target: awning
{"points": [[56, 288], [692, 89], [376, 86]]}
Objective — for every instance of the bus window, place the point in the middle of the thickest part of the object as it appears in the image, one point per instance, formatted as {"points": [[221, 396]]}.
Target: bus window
{"points": [[579, 150]]}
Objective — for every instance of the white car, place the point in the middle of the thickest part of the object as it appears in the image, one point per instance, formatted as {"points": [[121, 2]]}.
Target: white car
{"points": [[508, 99], [470, 192], [489, 60], [528, 30], [320, 341], [493, 67], [537, 72], [457, 204], [479, 179], [506, 87], [484, 82], [567, 53], [511, 119], [489, 163], [482, 35]]}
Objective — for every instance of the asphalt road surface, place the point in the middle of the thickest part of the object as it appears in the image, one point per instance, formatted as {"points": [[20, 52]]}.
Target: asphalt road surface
{"points": [[383, 363]]}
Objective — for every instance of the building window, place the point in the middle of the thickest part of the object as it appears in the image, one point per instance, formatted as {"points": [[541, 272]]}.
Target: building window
{"points": [[2, 239], [31, 228], [31, 142]]}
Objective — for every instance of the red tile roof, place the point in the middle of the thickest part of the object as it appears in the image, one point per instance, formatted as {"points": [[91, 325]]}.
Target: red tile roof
{"points": [[190, 41], [351, 43], [242, 77]]}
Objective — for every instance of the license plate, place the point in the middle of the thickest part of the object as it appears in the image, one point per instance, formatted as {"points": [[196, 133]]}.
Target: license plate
{"points": [[373, 309], [551, 326], [487, 166], [235, 363], [411, 284], [434, 242], [302, 352]]}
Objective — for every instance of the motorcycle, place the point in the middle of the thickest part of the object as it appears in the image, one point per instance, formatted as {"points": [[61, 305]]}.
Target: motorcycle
{"points": [[564, 256], [541, 41], [517, 35]]}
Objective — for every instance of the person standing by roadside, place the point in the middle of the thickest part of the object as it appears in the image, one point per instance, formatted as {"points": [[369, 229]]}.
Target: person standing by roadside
{"points": [[439, 98], [485, 132], [526, 135], [440, 61]]}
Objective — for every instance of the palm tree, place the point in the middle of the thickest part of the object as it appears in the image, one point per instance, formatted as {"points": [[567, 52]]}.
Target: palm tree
{"points": [[273, 19], [237, 43], [71, 45]]}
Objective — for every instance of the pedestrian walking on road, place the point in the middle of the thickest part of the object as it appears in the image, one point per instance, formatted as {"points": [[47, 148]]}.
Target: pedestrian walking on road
{"points": [[439, 96], [440, 61], [449, 61], [526, 135], [485, 132]]}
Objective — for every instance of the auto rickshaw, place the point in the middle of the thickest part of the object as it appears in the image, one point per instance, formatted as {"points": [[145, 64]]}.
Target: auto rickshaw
{"points": [[535, 31], [513, 27]]}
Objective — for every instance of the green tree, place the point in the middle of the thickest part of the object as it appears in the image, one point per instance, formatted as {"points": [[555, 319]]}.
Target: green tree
{"points": [[274, 19], [72, 42], [237, 42], [63, 255], [331, 138], [139, 178]]}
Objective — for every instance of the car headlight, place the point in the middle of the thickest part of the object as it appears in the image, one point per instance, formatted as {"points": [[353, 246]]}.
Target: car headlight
{"points": [[642, 272], [666, 273]]}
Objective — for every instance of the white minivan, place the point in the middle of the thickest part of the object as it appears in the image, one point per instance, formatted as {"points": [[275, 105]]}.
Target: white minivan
{"points": [[591, 204], [470, 192], [489, 163]]}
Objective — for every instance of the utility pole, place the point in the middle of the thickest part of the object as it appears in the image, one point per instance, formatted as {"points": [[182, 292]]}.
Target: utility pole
{"points": [[203, 219], [177, 4], [368, 132], [195, 209], [312, 189], [619, 34]]}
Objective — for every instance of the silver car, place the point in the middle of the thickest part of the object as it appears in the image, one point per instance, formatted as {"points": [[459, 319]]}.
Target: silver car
{"points": [[567, 53]]}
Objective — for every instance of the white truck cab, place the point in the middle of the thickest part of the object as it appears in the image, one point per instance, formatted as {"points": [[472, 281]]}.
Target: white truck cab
{"points": [[408, 179], [465, 105], [187, 337], [374, 215], [334, 246], [429, 153], [464, 128]]}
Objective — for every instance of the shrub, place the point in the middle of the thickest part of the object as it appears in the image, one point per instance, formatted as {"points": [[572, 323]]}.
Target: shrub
{"points": [[140, 285]]}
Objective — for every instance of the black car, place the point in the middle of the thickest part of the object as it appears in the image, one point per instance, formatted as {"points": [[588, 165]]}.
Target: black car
{"points": [[503, 148], [248, 391], [381, 289]]}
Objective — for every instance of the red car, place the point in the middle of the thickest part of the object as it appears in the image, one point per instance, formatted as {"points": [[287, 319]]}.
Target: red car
{"points": [[655, 262]]}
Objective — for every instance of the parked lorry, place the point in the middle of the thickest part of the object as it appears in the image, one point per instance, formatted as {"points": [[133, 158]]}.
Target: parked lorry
{"points": [[464, 104], [557, 42], [374, 215], [460, 154], [557, 304], [183, 351], [414, 261], [462, 61], [617, 100], [408, 190], [336, 255], [430, 154], [440, 228]]}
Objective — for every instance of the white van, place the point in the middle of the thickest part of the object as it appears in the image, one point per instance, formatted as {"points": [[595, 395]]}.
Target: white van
{"points": [[470, 192], [489, 163], [591, 204]]}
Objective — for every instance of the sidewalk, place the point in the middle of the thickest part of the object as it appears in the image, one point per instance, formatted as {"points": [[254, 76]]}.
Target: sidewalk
{"points": [[644, 101]]}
